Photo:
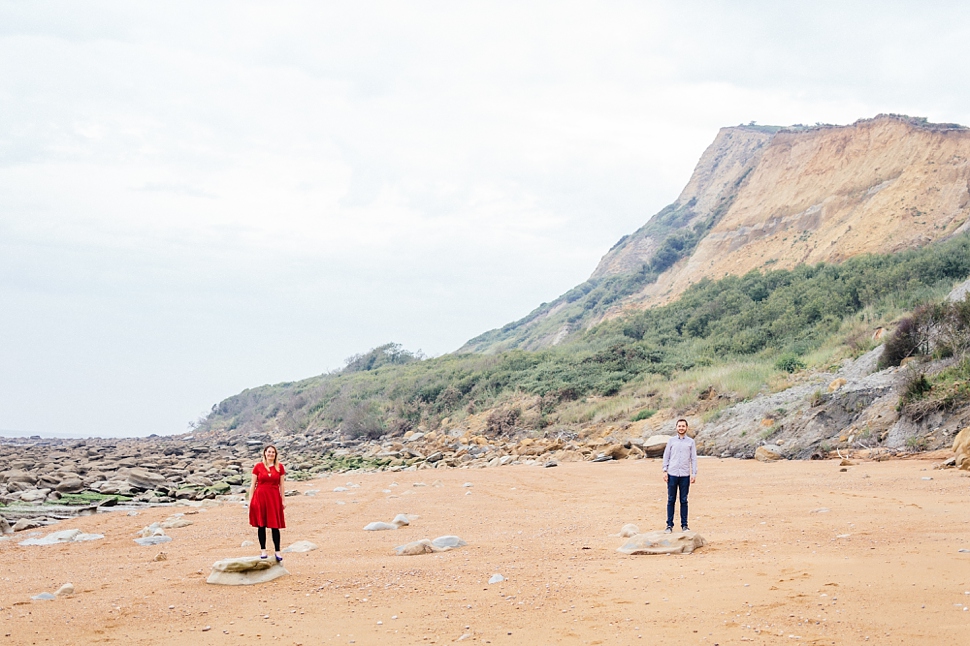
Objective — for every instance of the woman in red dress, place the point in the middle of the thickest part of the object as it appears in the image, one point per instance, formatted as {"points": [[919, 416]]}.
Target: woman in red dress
{"points": [[266, 499]]}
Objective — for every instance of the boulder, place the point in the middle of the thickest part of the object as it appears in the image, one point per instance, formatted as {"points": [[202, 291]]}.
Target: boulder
{"points": [[654, 446], [27, 523], [768, 453], [246, 570], [18, 475], [34, 496], [961, 449], [141, 478], [5, 527], [662, 543], [71, 485]]}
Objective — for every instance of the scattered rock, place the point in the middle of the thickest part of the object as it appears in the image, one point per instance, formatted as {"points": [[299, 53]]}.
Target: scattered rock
{"points": [[835, 384], [152, 535], [425, 546], [300, 547], [291, 492], [550, 464], [846, 463], [247, 544], [768, 453], [161, 556], [399, 521], [246, 570], [5, 527], [820, 510], [64, 536], [661, 543], [65, 590], [43, 596], [448, 542], [628, 530], [496, 578]]}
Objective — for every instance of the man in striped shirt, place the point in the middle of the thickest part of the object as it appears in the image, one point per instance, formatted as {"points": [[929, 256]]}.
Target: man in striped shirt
{"points": [[680, 471]]}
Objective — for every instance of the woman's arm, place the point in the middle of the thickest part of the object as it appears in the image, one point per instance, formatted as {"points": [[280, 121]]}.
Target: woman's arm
{"points": [[252, 487], [282, 491]]}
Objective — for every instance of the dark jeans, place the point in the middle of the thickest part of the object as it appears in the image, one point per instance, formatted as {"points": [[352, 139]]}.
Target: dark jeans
{"points": [[674, 483]]}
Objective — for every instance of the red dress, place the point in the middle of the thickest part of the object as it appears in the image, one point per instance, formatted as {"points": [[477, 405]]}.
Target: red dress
{"points": [[266, 507]]}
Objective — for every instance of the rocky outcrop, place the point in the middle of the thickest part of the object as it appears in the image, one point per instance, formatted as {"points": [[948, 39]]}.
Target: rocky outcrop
{"points": [[663, 543], [961, 449]]}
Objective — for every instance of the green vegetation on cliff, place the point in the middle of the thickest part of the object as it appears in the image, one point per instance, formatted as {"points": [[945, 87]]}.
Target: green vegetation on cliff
{"points": [[775, 317]]}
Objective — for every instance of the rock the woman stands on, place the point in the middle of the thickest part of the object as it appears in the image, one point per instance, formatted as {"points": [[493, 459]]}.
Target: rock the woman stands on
{"points": [[266, 500]]}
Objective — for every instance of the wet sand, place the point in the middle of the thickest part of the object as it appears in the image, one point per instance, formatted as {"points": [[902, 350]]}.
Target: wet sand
{"points": [[881, 566]]}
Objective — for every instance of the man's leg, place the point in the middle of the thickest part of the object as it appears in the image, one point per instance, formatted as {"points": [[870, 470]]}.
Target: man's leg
{"points": [[684, 489], [671, 497]]}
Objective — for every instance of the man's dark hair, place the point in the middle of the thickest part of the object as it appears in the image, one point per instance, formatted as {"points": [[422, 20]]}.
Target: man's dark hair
{"points": [[681, 420]]}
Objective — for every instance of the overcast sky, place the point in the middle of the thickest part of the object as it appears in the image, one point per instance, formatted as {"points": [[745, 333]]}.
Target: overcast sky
{"points": [[200, 197]]}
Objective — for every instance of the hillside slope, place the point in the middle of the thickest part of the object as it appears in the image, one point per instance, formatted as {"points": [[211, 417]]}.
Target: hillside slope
{"points": [[764, 197]]}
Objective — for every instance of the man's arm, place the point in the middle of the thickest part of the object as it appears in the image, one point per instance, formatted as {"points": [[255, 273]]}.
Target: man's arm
{"points": [[666, 459], [693, 461]]}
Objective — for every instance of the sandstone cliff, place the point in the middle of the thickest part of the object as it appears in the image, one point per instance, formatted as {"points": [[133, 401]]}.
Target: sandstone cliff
{"points": [[766, 197], [823, 195]]}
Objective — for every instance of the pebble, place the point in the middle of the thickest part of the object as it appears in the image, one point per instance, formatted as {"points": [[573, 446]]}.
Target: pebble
{"points": [[926, 478], [65, 590], [43, 596], [496, 578], [206, 629], [339, 489], [468, 484]]}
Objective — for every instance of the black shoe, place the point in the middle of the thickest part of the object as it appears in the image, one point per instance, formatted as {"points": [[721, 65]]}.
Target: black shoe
{"points": [[685, 528], [668, 530]]}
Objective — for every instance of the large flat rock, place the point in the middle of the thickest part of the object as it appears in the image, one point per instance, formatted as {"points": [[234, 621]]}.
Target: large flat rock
{"points": [[661, 543], [246, 570]]}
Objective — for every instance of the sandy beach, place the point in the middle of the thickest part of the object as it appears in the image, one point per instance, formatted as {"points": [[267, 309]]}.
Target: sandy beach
{"points": [[798, 552]]}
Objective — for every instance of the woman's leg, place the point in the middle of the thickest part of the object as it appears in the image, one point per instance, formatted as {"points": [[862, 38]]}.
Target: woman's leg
{"points": [[261, 535], [276, 539]]}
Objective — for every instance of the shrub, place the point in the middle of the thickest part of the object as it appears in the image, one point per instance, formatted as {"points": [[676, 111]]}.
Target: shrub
{"points": [[789, 363], [501, 421], [646, 413]]}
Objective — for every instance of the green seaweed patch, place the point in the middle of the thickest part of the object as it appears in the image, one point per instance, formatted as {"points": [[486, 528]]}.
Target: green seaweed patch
{"points": [[87, 498]]}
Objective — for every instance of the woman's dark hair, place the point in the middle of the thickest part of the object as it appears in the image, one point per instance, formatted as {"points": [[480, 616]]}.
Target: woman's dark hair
{"points": [[276, 460]]}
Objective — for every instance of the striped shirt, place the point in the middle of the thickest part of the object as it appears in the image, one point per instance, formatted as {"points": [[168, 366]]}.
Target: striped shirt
{"points": [[680, 456]]}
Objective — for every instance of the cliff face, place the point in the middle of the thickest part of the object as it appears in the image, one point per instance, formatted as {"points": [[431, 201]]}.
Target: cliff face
{"points": [[726, 162], [826, 194], [766, 197]]}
